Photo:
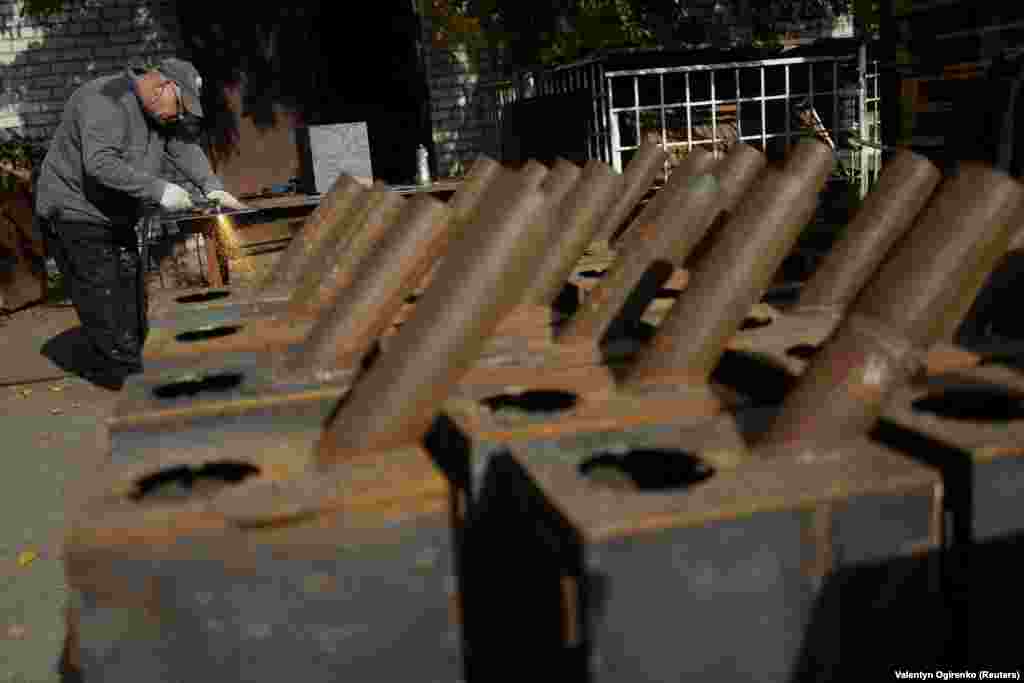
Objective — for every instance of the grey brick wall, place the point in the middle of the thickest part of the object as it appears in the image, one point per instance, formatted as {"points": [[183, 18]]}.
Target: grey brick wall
{"points": [[42, 62], [463, 108]]}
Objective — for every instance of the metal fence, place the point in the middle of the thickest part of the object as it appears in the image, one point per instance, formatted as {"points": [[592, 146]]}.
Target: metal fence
{"points": [[766, 103]]}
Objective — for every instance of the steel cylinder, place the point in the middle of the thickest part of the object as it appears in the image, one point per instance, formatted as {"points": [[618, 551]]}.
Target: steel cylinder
{"points": [[482, 278], [345, 262], [560, 180], [888, 212], [481, 174], [962, 233], [360, 313], [320, 262], [579, 217], [686, 211], [640, 173], [738, 268], [736, 172], [330, 216], [665, 201]]}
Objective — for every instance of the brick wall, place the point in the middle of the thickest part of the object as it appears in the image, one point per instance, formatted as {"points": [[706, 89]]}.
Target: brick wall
{"points": [[42, 62], [462, 112], [464, 80]]}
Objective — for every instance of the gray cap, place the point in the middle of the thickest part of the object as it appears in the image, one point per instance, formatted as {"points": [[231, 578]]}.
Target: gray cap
{"points": [[190, 83]]}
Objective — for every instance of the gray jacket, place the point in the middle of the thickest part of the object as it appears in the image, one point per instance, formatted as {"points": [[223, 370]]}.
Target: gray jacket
{"points": [[104, 160]]}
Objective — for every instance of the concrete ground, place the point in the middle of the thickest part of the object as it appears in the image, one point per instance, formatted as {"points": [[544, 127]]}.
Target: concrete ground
{"points": [[52, 433]]}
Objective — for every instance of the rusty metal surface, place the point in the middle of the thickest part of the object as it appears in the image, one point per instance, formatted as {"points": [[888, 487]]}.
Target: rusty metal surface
{"points": [[239, 327], [560, 180], [361, 312], [299, 267], [341, 266], [685, 211], [578, 215], [329, 216], [906, 183], [480, 281], [366, 209], [631, 545], [963, 230], [666, 201], [736, 172], [983, 418], [481, 174], [725, 285], [900, 193], [208, 343], [267, 578], [188, 309], [970, 227], [639, 175]]}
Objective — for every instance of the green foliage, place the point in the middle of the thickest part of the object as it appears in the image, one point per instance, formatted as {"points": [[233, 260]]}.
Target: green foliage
{"points": [[41, 9], [17, 155]]}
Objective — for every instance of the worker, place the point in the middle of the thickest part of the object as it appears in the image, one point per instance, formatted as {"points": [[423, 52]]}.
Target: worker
{"points": [[100, 176]]}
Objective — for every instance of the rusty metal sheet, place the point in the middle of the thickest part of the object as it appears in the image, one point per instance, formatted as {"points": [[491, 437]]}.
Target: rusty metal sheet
{"points": [[618, 525], [267, 577]]}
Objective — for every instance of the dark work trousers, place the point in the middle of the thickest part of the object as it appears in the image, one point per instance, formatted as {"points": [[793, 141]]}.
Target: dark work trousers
{"points": [[104, 277]]}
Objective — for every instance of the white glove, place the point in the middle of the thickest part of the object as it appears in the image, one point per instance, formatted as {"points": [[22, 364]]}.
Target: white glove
{"points": [[226, 199], [175, 198]]}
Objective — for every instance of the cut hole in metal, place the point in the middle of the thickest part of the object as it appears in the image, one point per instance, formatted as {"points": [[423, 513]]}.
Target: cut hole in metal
{"points": [[752, 323], [980, 404], [195, 385], [533, 402], [646, 469], [202, 298], [183, 480], [208, 333], [803, 351]]}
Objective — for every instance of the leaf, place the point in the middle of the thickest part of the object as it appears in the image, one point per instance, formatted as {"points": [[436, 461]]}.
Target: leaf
{"points": [[15, 632], [27, 557]]}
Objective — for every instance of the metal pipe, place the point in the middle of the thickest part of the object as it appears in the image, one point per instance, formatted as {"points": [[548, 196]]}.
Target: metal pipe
{"points": [[481, 280], [361, 312], [560, 180], [344, 263], [736, 173], [696, 163], [903, 189], [580, 216], [957, 309], [532, 173], [684, 211], [963, 231], [481, 174], [336, 244], [640, 173], [329, 216], [737, 270]]}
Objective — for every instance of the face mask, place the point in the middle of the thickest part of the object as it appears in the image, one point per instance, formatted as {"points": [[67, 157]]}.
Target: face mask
{"points": [[189, 127]]}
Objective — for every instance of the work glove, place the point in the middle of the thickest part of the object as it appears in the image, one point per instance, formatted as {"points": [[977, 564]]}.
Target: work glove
{"points": [[175, 198], [226, 199]]}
